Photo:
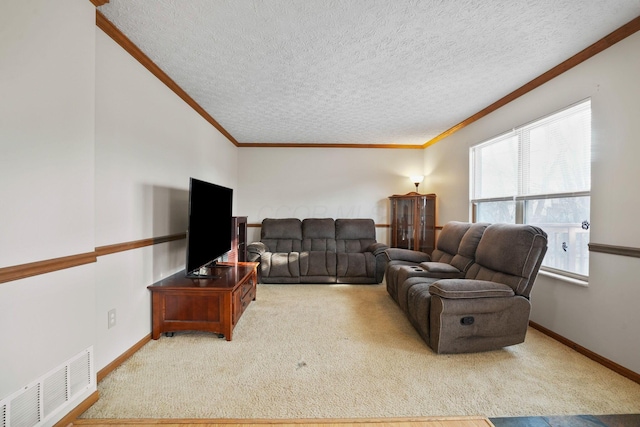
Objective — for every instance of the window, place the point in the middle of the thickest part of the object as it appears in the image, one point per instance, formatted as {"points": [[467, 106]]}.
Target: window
{"points": [[540, 174]]}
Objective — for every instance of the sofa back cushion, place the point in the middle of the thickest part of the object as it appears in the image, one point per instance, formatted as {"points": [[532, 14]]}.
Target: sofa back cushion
{"points": [[282, 235], [510, 254], [449, 241], [354, 235], [468, 246], [319, 234]]}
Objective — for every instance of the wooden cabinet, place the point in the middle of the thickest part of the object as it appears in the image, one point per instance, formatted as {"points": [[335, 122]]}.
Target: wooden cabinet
{"points": [[214, 305], [238, 251], [413, 221]]}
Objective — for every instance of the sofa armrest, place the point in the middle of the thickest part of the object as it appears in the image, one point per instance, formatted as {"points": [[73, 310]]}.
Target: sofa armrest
{"points": [[469, 288], [255, 251], [399, 254], [441, 268], [377, 248]]}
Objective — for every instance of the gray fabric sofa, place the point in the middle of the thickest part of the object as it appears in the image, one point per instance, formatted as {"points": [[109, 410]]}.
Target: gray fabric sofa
{"points": [[318, 250], [486, 306], [452, 257]]}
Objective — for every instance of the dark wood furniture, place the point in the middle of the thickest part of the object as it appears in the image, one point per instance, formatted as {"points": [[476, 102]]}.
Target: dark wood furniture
{"points": [[238, 251], [211, 305], [413, 221]]}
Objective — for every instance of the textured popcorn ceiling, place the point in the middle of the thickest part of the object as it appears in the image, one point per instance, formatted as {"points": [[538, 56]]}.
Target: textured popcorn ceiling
{"points": [[358, 71]]}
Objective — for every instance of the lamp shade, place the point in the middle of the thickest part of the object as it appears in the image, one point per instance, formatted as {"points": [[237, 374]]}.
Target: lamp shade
{"points": [[416, 179]]}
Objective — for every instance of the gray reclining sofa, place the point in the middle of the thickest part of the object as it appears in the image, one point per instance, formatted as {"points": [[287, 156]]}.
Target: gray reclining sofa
{"points": [[318, 250], [472, 293]]}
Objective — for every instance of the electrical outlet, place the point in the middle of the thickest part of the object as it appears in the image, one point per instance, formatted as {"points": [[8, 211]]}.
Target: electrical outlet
{"points": [[111, 314]]}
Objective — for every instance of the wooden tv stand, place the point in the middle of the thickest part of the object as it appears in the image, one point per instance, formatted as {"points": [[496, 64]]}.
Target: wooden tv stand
{"points": [[213, 305]]}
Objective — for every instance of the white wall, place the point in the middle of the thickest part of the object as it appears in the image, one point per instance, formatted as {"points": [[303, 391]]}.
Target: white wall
{"points": [[324, 183], [46, 182], [148, 143], [46, 130], [602, 316]]}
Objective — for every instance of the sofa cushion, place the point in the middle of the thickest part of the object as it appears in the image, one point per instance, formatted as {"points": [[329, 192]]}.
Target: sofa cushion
{"points": [[354, 265], [319, 234], [402, 294], [468, 246], [514, 267], [282, 235], [280, 264], [317, 263], [449, 241], [359, 228], [354, 235]]}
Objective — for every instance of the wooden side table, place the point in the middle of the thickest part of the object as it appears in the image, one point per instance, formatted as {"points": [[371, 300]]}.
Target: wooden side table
{"points": [[211, 305]]}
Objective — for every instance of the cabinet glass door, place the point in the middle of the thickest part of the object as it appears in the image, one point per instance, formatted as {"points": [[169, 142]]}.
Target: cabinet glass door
{"points": [[404, 229], [426, 227]]}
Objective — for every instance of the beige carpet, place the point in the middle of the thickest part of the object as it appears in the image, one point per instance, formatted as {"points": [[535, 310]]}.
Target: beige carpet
{"points": [[318, 351]]}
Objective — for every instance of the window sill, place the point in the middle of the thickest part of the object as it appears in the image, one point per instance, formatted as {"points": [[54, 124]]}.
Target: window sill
{"points": [[560, 277]]}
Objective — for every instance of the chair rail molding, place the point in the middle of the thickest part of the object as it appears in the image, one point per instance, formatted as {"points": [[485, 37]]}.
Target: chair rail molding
{"points": [[615, 250], [22, 271]]}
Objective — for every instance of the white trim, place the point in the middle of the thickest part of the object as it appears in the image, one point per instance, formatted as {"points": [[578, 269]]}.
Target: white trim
{"points": [[534, 197], [563, 278]]}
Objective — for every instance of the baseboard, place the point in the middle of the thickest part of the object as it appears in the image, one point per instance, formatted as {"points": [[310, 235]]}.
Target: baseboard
{"points": [[122, 358], [78, 410], [619, 369], [470, 421]]}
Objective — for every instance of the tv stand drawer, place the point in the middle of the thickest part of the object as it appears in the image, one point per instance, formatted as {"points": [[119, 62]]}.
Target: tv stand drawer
{"points": [[243, 297]]}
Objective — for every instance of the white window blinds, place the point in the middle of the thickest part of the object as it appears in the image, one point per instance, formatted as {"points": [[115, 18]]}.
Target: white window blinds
{"points": [[540, 173]]}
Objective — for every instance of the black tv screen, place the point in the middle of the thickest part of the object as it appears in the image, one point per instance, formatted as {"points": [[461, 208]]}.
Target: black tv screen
{"points": [[210, 226]]}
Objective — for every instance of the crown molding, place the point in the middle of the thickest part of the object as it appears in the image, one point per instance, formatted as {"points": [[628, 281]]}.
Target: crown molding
{"points": [[609, 40], [112, 31], [328, 145]]}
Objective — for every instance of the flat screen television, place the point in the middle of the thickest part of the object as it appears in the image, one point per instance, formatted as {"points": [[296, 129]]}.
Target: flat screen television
{"points": [[210, 227]]}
